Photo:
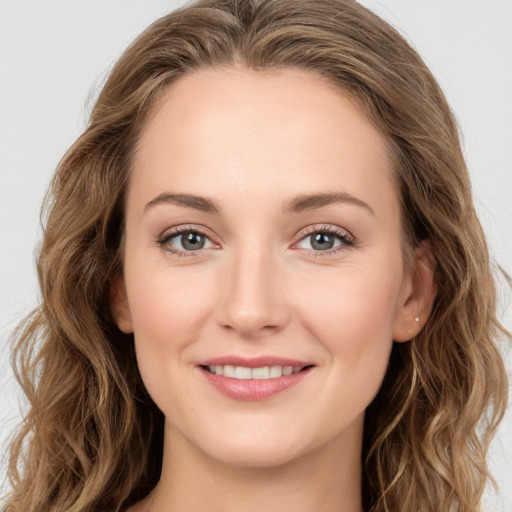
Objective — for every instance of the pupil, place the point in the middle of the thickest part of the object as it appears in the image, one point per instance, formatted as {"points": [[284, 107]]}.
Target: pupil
{"points": [[192, 241], [322, 241]]}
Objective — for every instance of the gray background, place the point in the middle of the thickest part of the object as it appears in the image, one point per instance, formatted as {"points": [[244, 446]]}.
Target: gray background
{"points": [[55, 54]]}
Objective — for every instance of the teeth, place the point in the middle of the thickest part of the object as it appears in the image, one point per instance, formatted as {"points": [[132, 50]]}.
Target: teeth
{"points": [[241, 372], [228, 371], [276, 371], [260, 373], [244, 373], [287, 370]]}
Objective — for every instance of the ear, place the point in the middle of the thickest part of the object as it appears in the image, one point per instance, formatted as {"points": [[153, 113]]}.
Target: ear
{"points": [[119, 307], [418, 294]]}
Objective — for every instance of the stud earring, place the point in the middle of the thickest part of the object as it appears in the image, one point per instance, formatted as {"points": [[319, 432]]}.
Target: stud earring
{"points": [[417, 319]]}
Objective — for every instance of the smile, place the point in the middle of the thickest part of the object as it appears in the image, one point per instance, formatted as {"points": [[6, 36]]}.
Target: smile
{"points": [[261, 373], [254, 378]]}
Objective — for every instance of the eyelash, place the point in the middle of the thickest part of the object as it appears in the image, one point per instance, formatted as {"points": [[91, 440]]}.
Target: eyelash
{"points": [[347, 240], [164, 238]]}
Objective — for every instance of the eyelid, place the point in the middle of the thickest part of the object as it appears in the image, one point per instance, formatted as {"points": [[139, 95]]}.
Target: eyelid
{"points": [[175, 231], [326, 228], [346, 238]]}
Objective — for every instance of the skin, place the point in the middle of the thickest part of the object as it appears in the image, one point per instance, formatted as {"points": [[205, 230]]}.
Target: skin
{"points": [[251, 141]]}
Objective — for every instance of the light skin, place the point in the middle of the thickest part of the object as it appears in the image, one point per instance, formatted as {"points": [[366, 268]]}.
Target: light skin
{"points": [[254, 143]]}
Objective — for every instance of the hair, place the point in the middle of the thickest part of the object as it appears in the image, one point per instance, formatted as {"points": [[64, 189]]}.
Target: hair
{"points": [[92, 437]]}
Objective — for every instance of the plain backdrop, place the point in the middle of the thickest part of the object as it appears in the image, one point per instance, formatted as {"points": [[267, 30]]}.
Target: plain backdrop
{"points": [[55, 54]]}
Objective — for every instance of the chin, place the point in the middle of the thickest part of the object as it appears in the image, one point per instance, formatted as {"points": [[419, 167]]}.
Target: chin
{"points": [[255, 456], [255, 449]]}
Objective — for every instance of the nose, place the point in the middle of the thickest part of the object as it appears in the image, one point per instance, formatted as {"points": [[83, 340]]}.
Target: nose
{"points": [[252, 301]]}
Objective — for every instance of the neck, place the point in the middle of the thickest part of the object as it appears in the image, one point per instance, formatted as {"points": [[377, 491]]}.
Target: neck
{"points": [[328, 478]]}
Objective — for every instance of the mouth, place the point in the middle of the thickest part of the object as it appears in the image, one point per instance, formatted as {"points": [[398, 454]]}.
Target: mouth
{"points": [[257, 373], [254, 378]]}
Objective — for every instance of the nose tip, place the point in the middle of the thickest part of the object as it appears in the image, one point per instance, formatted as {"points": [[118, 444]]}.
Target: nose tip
{"points": [[253, 302], [250, 323]]}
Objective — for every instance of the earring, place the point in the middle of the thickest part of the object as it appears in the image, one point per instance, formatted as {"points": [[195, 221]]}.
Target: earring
{"points": [[417, 319]]}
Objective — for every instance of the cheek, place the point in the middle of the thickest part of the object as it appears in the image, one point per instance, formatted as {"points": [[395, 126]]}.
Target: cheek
{"points": [[168, 308], [352, 316], [352, 304]]}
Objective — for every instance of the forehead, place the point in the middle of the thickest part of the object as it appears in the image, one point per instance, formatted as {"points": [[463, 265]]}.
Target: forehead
{"points": [[281, 130]]}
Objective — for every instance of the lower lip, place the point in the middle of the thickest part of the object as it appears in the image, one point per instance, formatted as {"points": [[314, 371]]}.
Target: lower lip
{"points": [[253, 389]]}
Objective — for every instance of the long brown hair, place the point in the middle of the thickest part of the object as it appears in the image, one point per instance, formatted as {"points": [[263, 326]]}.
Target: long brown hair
{"points": [[92, 438]]}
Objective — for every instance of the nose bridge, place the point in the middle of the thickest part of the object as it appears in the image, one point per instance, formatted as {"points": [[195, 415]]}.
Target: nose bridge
{"points": [[253, 299]]}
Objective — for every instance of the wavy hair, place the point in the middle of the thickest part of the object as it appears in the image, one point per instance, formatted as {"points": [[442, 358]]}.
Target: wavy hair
{"points": [[92, 437]]}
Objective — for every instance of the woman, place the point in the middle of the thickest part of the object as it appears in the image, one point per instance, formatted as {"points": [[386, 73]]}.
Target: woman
{"points": [[263, 280]]}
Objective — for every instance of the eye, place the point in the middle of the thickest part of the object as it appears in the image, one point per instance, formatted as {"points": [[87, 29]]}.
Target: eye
{"points": [[184, 240], [326, 239]]}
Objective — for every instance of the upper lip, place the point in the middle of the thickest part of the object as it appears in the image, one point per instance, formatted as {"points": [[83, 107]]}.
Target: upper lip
{"points": [[253, 362]]}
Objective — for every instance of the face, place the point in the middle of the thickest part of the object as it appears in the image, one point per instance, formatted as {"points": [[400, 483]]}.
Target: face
{"points": [[262, 239]]}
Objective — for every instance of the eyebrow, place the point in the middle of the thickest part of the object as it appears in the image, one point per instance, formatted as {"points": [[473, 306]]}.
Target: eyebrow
{"points": [[189, 200], [297, 204], [305, 202]]}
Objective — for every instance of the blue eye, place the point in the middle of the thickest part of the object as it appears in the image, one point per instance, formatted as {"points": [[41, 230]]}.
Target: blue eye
{"points": [[326, 239], [181, 241], [323, 241], [191, 240]]}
